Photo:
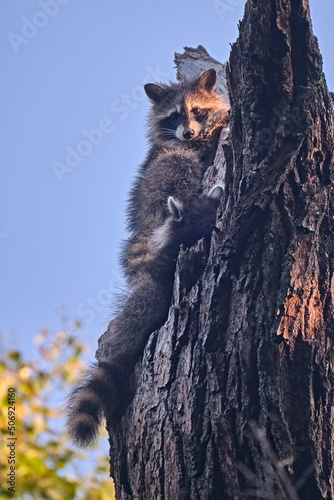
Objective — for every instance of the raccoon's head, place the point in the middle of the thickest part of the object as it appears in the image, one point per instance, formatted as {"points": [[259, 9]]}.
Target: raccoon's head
{"points": [[187, 223], [186, 112]]}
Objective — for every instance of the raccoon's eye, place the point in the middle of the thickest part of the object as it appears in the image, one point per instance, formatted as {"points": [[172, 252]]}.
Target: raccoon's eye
{"points": [[196, 111], [174, 116]]}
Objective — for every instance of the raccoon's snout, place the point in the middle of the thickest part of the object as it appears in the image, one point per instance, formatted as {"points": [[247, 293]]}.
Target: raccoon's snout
{"points": [[188, 134]]}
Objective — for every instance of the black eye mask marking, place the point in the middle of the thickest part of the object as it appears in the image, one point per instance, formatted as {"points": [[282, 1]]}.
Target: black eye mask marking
{"points": [[171, 122]]}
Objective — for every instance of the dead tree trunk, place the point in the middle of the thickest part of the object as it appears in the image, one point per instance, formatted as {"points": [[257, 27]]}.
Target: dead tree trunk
{"points": [[234, 396]]}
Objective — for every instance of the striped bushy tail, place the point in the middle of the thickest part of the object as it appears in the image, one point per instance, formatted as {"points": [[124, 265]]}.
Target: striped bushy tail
{"points": [[99, 393]]}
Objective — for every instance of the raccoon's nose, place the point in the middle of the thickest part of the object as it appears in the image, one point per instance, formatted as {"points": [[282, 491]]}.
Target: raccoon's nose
{"points": [[189, 134]]}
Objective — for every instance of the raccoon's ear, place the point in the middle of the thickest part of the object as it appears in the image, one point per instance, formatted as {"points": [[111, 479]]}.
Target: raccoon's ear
{"points": [[207, 80], [174, 208], [216, 192], [155, 91]]}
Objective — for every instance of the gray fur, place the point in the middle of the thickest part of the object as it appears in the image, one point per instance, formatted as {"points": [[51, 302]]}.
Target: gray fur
{"points": [[173, 171]]}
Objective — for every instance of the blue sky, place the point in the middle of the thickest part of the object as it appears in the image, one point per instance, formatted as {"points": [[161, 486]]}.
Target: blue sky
{"points": [[71, 67]]}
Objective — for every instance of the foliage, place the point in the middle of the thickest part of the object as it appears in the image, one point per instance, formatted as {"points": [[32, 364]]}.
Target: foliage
{"points": [[46, 466]]}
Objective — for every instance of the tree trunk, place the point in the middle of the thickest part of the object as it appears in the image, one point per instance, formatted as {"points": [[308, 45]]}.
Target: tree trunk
{"points": [[234, 394]]}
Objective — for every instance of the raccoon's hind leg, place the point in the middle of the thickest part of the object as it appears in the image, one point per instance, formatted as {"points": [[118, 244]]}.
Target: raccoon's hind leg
{"points": [[105, 389], [145, 310]]}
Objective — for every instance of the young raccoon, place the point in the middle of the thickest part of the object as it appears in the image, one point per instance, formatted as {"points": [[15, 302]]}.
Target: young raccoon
{"points": [[185, 122], [186, 224]]}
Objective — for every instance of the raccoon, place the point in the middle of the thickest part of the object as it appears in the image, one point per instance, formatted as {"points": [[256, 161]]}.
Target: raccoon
{"points": [[166, 209]]}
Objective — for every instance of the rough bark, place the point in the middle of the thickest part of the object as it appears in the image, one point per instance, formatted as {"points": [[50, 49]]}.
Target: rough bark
{"points": [[234, 395]]}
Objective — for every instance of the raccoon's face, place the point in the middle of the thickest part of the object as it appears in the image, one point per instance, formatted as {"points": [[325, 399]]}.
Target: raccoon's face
{"points": [[185, 111]]}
